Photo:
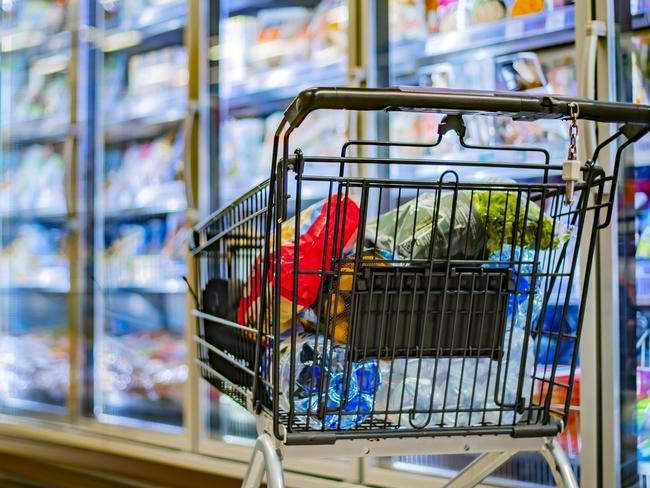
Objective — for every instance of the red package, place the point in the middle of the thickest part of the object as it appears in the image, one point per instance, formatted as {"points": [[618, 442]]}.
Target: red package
{"points": [[316, 244]]}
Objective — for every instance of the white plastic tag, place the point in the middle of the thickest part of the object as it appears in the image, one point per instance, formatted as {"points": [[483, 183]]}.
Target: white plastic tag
{"points": [[571, 170]]}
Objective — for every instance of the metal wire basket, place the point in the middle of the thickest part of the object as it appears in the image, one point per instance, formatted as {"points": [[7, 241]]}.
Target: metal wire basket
{"points": [[390, 308]]}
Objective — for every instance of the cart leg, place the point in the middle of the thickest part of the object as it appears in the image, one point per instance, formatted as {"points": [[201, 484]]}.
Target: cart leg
{"points": [[265, 458], [479, 469], [559, 464]]}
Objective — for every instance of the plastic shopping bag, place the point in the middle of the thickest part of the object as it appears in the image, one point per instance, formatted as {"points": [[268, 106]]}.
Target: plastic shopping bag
{"points": [[326, 226]]}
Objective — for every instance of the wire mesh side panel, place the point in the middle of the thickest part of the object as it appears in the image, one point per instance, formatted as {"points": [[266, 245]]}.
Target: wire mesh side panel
{"points": [[229, 257], [384, 307], [424, 307]]}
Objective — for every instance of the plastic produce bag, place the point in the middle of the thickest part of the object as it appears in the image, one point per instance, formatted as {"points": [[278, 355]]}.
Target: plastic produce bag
{"points": [[406, 232], [319, 224], [469, 383], [365, 379], [481, 223], [455, 384], [519, 302]]}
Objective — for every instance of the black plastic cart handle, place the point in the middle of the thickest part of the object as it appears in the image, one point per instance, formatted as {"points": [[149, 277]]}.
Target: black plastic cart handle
{"points": [[418, 99]]}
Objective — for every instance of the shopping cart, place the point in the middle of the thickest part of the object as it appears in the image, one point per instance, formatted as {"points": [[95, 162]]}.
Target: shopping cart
{"points": [[361, 315]]}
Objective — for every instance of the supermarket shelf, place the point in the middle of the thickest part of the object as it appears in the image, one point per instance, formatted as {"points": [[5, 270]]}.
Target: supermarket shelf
{"points": [[641, 21], [531, 32], [165, 287], [143, 127], [34, 288], [39, 406], [269, 91], [51, 129], [140, 322], [148, 33], [173, 207], [35, 41], [240, 7], [38, 215], [156, 414]]}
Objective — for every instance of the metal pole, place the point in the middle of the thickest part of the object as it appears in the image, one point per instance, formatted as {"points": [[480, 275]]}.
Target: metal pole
{"points": [[559, 464], [264, 456]]}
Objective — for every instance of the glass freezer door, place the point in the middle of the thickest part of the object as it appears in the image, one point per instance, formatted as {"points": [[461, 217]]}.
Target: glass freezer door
{"points": [[485, 45], [36, 244], [139, 203], [634, 252], [261, 54]]}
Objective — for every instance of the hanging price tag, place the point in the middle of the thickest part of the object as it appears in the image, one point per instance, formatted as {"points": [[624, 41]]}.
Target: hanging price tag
{"points": [[555, 20], [515, 29]]}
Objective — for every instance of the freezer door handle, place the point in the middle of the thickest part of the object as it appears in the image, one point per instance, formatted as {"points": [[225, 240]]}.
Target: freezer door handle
{"points": [[594, 30], [188, 136], [69, 145]]}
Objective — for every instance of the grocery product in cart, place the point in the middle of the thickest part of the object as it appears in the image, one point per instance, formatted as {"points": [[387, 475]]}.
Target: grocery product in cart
{"points": [[317, 237], [431, 315]]}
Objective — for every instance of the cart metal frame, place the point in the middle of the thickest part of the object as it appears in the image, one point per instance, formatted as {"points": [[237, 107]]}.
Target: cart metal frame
{"points": [[495, 444]]}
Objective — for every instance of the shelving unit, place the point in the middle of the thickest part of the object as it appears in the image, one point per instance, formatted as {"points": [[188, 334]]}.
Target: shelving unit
{"points": [[547, 29], [138, 215], [156, 27], [35, 287], [270, 91]]}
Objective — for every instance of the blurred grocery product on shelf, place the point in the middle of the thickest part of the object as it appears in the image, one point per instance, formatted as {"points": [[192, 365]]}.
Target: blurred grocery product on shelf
{"points": [[156, 85], [146, 175], [34, 255], [280, 38], [146, 254], [143, 366], [247, 142], [414, 19], [133, 14], [35, 14], [33, 180], [34, 367]]}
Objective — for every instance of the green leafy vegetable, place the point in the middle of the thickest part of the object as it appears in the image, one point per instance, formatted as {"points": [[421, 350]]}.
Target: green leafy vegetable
{"points": [[507, 214]]}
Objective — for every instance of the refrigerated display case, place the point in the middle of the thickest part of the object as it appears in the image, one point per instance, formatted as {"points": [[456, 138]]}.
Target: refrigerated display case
{"points": [[139, 352], [36, 305], [488, 45]]}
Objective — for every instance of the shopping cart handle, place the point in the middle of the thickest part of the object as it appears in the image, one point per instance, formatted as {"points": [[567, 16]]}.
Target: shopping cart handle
{"points": [[419, 99]]}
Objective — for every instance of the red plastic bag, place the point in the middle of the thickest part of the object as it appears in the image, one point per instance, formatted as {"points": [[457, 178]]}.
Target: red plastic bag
{"points": [[319, 225]]}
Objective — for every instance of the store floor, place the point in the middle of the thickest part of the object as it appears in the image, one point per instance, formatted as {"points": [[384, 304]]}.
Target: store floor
{"points": [[24, 472]]}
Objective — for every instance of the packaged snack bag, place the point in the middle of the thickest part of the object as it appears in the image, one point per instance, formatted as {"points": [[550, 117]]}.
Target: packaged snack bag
{"points": [[336, 217], [526, 7], [335, 308]]}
